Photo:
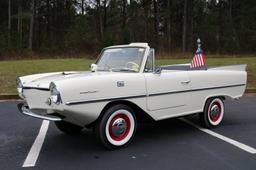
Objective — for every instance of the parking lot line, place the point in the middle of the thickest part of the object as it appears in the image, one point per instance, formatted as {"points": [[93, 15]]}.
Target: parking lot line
{"points": [[37, 145], [224, 138]]}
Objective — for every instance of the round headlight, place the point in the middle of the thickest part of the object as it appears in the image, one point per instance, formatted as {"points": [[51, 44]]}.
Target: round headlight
{"points": [[55, 94], [19, 87]]}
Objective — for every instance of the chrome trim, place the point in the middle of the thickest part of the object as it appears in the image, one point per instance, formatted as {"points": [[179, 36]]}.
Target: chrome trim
{"points": [[102, 100], [25, 110], [86, 92], [169, 107], [36, 88], [193, 90], [147, 95]]}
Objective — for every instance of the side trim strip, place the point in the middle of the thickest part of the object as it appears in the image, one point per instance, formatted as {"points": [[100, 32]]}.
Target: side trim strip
{"points": [[103, 100], [149, 95], [36, 88], [192, 90]]}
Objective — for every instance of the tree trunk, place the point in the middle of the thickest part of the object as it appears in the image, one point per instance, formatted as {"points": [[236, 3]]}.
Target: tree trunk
{"points": [[99, 21], [234, 33], [168, 23], [48, 18], [31, 28], [82, 7], [105, 16], [124, 14], [145, 21], [9, 23], [220, 28], [184, 32], [19, 25], [190, 36], [156, 20]]}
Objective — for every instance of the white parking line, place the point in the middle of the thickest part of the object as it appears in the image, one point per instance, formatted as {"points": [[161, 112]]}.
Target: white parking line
{"points": [[224, 138], [37, 145]]}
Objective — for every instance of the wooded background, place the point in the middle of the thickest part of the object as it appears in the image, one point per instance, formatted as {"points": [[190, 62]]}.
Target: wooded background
{"points": [[86, 26]]}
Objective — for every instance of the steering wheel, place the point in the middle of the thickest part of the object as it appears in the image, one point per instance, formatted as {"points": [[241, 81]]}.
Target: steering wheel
{"points": [[132, 65]]}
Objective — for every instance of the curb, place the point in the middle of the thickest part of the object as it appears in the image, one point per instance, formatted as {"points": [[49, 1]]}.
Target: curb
{"points": [[250, 91], [9, 97], [16, 97]]}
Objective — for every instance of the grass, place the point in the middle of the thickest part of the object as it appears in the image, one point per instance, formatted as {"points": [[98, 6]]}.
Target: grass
{"points": [[10, 70]]}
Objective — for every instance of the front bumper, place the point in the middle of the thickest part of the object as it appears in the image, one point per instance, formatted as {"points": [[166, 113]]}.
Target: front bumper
{"points": [[24, 109]]}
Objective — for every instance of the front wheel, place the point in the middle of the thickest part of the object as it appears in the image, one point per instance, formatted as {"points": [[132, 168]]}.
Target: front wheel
{"points": [[213, 113], [117, 127]]}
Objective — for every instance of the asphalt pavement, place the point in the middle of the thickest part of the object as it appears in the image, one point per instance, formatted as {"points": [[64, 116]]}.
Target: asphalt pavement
{"points": [[168, 144]]}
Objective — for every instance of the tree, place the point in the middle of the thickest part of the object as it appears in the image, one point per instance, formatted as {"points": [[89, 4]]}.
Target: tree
{"points": [[31, 28], [82, 7], [99, 20], [9, 23], [19, 24], [184, 30], [168, 25], [156, 20], [234, 32], [61, 26]]}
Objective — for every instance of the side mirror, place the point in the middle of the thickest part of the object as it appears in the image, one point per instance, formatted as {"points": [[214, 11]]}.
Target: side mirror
{"points": [[94, 67], [158, 70]]}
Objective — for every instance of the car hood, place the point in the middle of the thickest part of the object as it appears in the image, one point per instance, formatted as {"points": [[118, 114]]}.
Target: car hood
{"points": [[44, 80]]}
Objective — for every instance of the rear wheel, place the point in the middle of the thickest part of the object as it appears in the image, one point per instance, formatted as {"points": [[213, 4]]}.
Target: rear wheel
{"points": [[117, 127], [67, 127], [213, 113]]}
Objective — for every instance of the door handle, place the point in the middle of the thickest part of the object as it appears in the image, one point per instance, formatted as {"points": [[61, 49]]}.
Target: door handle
{"points": [[185, 82]]}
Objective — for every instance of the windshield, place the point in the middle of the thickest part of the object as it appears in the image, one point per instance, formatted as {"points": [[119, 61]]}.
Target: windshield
{"points": [[121, 59]]}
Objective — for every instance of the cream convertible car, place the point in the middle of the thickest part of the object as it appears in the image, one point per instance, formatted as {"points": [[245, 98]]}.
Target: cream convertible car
{"points": [[124, 87]]}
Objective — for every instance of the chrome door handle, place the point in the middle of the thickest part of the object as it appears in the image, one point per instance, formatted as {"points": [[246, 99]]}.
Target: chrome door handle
{"points": [[185, 82]]}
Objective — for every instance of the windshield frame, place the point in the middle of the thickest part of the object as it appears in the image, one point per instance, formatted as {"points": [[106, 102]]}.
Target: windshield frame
{"points": [[142, 62]]}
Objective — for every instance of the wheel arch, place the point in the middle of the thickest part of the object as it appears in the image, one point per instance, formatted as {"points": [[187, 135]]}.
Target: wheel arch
{"points": [[141, 115], [223, 97]]}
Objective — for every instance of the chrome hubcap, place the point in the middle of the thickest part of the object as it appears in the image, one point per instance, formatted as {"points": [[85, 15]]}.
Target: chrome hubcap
{"points": [[214, 110], [119, 126]]}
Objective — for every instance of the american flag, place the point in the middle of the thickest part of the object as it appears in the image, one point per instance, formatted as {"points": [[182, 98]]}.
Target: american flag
{"points": [[198, 60]]}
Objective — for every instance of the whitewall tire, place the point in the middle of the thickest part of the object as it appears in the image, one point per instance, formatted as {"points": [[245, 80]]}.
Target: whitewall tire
{"points": [[213, 113], [117, 126]]}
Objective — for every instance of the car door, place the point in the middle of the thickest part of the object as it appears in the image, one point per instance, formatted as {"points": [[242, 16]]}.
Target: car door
{"points": [[167, 92]]}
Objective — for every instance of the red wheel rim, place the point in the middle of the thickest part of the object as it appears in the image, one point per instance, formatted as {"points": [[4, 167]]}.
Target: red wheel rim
{"points": [[214, 111], [119, 127]]}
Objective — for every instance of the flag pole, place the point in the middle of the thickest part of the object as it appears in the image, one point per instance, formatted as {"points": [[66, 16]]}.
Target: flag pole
{"points": [[198, 45]]}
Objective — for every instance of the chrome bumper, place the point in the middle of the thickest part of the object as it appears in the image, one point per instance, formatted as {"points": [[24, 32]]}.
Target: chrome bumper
{"points": [[23, 108]]}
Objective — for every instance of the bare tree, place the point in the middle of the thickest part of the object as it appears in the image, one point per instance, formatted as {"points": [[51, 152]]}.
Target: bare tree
{"points": [[184, 31], [82, 6], [19, 25], [234, 33], [220, 27], [168, 28], [124, 14], [31, 28], [105, 15], [156, 20], [48, 17], [9, 23], [99, 19]]}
